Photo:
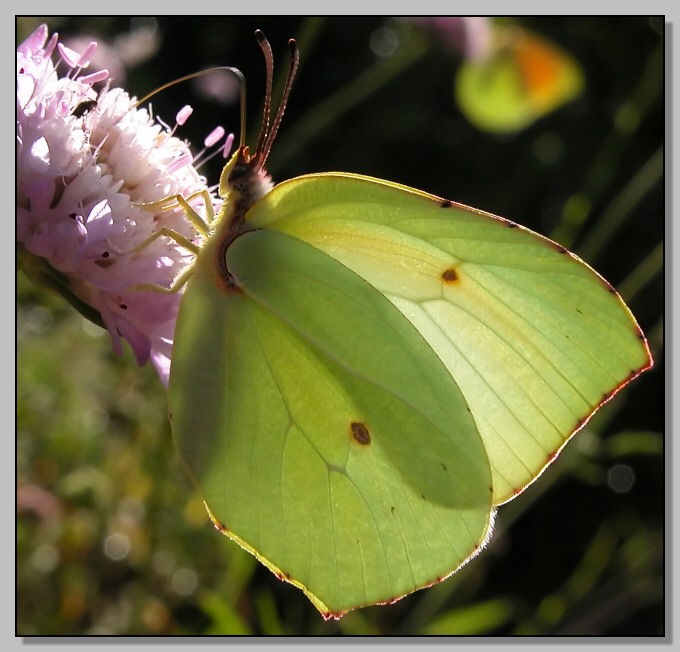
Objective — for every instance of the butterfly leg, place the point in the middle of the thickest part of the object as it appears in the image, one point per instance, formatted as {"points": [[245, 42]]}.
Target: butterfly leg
{"points": [[176, 285], [173, 201], [164, 231], [200, 224]]}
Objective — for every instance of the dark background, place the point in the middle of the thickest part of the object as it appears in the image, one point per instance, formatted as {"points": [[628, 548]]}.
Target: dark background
{"points": [[95, 462]]}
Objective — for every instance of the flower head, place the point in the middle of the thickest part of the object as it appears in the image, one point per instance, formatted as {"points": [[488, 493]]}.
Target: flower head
{"points": [[87, 163]]}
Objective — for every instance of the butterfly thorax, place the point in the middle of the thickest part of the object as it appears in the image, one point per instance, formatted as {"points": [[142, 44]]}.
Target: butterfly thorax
{"points": [[243, 182], [244, 178]]}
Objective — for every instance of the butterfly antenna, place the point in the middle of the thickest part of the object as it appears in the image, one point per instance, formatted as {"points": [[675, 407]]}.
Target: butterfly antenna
{"points": [[242, 81], [292, 70], [269, 63], [200, 73]]}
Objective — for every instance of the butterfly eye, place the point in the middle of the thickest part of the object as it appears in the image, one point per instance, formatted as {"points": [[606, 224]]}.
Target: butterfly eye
{"points": [[242, 170]]}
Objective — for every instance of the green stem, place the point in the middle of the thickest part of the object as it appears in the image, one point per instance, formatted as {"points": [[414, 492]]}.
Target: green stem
{"points": [[40, 272], [628, 118], [643, 273], [655, 338], [621, 207]]}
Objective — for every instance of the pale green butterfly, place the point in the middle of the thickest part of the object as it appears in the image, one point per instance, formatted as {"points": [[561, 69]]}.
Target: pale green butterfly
{"points": [[362, 372]]}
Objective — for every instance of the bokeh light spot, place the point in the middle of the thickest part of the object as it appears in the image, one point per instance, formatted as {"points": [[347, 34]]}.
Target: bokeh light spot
{"points": [[621, 478], [117, 546]]}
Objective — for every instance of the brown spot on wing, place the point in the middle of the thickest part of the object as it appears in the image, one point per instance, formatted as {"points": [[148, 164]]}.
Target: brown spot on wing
{"points": [[360, 433], [450, 275]]}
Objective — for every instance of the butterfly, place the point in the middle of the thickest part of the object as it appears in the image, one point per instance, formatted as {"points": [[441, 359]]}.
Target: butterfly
{"points": [[523, 78], [363, 372]]}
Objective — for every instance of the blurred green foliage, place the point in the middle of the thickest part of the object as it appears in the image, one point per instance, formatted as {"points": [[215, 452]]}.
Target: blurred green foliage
{"points": [[111, 536]]}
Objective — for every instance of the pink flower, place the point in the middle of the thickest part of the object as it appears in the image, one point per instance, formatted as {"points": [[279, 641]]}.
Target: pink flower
{"points": [[86, 162], [470, 36]]}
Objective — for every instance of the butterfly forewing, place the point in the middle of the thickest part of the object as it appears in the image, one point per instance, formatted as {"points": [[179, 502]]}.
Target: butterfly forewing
{"points": [[535, 339]]}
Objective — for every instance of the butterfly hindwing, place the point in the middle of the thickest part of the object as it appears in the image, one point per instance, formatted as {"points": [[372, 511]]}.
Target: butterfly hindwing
{"points": [[321, 429]]}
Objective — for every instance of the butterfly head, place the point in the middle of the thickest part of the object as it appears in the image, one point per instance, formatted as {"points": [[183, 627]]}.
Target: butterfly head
{"points": [[245, 173], [246, 176]]}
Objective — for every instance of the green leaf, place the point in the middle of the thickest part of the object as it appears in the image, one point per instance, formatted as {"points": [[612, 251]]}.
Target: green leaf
{"points": [[633, 442], [473, 620]]}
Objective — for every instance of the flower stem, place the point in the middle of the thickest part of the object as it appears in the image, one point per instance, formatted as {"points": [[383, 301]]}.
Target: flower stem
{"points": [[630, 115]]}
